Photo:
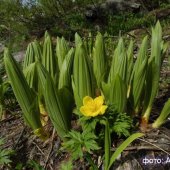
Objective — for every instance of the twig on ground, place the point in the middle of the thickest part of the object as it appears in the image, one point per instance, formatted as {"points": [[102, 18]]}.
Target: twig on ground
{"points": [[38, 148], [51, 148], [7, 119], [19, 138], [154, 145]]}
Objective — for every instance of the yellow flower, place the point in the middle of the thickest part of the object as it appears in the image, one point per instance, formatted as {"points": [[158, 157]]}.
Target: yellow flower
{"points": [[93, 107]]}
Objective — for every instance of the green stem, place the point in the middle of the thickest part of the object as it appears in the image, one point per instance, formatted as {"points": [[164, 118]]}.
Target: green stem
{"points": [[157, 123], [107, 145], [147, 113]]}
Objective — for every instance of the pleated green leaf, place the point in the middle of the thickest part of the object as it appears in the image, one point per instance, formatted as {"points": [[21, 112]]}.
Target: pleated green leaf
{"points": [[33, 53], [107, 145], [106, 91], [118, 94], [82, 75], [31, 76], [156, 44], [152, 84], [99, 59], [29, 56], [58, 103], [56, 109], [158, 50], [77, 97], [119, 62], [129, 62], [139, 75], [42, 76], [67, 99], [25, 96], [61, 51], [142, 54], [49, 59], [66, 70], [78, 40], [37, 51], [138, 83]]}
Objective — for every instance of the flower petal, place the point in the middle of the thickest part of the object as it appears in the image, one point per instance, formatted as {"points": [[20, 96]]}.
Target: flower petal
{"points": [[92, 108], [103, 109], [86, 111], [87, 100], [99, 101], [95, 113]]}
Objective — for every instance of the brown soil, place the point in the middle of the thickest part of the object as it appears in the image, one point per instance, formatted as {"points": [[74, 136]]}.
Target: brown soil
{"points": [[150, 152]]}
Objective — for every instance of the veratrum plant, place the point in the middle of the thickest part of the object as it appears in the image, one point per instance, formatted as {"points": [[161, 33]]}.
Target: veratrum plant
{"points": [[138, 76], [99, 59], [82, 80], [158, 50], [130, 65], [133, 83], [30, 73], [48, 59], [33, 53], [62, 49], [29, 56], [66, 70], [31, 76], [78, 39], [59, 103], [25, 96], [119, 63], [59, 113], [115, 90]]}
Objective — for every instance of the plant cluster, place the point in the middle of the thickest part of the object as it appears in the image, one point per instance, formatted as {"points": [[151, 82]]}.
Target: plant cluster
{"points": [[105, 95]]}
